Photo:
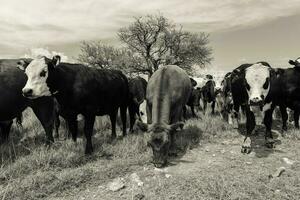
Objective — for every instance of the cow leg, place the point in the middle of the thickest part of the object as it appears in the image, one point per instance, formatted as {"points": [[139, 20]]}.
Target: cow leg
{"points": [[296, 118], [213, 105], [123, 110], [149, 113], [19, 120], [44, 111], [193, 111], [4, 130], [184, 112], [56, 125], [132, 114], [268, 123], [250, 125], [88, 131], [204, 107], [236, 116], [284, 117], [72, 125], [113, 117]]}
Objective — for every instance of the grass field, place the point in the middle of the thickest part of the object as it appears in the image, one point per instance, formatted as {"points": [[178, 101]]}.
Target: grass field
{"points": [[209, 165]]}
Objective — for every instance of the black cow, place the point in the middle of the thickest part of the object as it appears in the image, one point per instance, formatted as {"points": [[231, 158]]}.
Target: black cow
{"points": [[79, 90], [13, 103], [137, 92], [194, 99], [208, 95], [227, 111]]}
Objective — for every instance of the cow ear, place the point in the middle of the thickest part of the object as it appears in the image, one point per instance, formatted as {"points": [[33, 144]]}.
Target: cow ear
{"points": [[277, 71], [21, 64], [194, 83], [291, 62], [177, 125], [56, 60], [142, 126]]}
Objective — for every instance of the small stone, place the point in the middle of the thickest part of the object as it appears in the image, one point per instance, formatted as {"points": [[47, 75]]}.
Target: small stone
{"points": [[168, 175], [223, 151], [214, 155], [207, 150], [248, 163], [139, 196], [278, 172], [288, 161], [225, 142], [135, 178], [252, 154], [160, 170], [116, 185]]}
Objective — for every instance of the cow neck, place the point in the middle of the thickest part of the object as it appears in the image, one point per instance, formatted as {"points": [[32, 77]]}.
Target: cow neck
{"points": [[60, 82], [161, 110]]}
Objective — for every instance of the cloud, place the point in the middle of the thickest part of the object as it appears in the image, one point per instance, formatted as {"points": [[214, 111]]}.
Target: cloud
{"points": [[36, 52], [56, 22]]}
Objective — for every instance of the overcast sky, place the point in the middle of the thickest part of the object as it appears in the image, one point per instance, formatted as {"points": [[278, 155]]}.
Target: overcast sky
{"points": [[241, 30]]}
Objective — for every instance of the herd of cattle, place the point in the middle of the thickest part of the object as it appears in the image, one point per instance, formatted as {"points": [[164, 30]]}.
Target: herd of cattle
{"points": [[52, 89]]}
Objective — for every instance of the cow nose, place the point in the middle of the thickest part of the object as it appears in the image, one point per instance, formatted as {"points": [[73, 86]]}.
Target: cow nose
{"points": [[255, 100], [27, 92]]}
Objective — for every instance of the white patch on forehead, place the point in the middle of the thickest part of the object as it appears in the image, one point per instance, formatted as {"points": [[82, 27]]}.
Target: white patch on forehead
{"points": [[36, 65], [37, 74], [256, 76], [257, 72]]}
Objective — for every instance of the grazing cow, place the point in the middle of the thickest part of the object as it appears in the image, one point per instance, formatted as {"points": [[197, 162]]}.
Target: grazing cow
{"points": [[13, 103], [79, 90], [168, 91], [137, 92]]}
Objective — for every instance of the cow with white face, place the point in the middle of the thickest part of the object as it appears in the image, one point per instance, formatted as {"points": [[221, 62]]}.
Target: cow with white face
{"points": [[257, 80], [250, 87], [81, 90], [37, 74]]}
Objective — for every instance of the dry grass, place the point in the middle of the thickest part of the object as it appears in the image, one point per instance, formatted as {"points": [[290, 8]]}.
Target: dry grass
{"points": [[30, 170]]}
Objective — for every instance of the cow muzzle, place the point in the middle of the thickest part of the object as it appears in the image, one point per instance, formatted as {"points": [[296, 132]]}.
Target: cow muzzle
{"points": [[256, 101], [27, 92]]}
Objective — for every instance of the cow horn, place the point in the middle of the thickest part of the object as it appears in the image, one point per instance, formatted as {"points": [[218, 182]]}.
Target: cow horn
{"points": [[291, 62], [56, 60]]}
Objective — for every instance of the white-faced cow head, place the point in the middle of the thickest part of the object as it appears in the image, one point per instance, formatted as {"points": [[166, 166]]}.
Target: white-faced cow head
{"points": [[257, 82], [37, 72], [296, 63]]}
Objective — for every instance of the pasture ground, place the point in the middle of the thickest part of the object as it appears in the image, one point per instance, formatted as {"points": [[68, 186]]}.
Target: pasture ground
{"points": [[209, 165]]}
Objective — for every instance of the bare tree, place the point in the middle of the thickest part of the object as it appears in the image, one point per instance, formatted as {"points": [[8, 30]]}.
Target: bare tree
{"points": [[146, 36], [98, 54], [158, 41]]}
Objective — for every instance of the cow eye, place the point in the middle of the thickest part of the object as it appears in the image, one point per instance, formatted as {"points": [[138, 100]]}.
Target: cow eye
{"points": [[266, 84], [43, 73]]}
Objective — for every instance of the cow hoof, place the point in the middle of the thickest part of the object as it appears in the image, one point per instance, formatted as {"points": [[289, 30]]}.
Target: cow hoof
{"points": [[88, 151], [246, 150]]}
